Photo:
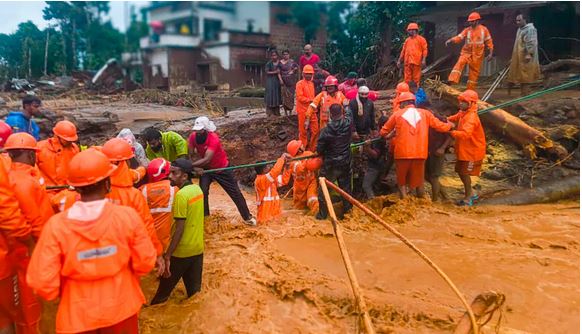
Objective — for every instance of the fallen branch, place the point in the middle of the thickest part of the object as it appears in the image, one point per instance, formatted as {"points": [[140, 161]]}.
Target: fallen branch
{"points": [[483, 306], [560, 63]]}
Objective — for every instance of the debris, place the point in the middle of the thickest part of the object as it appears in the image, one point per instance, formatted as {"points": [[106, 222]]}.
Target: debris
{"points": [[550, 192], [385, 78]]}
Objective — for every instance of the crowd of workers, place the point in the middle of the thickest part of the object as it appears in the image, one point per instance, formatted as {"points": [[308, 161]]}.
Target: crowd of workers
{"points": [[128, 211]]}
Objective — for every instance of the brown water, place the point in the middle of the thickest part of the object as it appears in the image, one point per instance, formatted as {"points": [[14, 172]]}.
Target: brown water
{"points": [[288, 276]]}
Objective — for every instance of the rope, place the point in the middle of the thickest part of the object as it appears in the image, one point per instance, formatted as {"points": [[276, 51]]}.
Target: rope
{"points": [[530, 96]]}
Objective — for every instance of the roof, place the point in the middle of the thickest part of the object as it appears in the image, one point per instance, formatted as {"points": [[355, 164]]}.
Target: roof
{"points": [[463, 8]]}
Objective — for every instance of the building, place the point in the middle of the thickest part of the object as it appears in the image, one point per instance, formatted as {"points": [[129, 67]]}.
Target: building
{"points": [[444, 19], [217, 44]]}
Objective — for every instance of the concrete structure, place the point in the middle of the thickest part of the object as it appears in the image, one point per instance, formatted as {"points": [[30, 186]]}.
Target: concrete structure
{"points": [[217, 44], [446, 18]]}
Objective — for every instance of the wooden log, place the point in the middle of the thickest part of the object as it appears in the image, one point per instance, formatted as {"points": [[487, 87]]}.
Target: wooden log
{"points": [[505, 124], [347, 262], [550, 192], [569, 63]]}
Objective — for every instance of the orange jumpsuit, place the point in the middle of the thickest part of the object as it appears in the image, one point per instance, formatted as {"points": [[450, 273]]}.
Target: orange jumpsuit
{"points": [[321, 104], [93, 266], [160, 198], [35, 206], [53, 161], [123, 193], [304, 94], [472, 53], [414, 50], [304, 184], [13, 228], [470, 141], [64, 199], [268, 203]]}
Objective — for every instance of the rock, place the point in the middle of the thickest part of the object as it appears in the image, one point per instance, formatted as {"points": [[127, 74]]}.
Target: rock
{"points": [[493, 174]]}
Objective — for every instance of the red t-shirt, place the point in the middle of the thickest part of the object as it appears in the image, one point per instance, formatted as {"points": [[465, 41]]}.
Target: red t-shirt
{"points": [[219, 159], [311, 61], [352, 93]]}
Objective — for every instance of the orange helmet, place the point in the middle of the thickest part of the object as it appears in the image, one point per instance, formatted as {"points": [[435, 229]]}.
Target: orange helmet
{"points": [[293, 147], [469, 96], [402, 87], [20, 141], [158, 169], [5, 132], [314, 164], [412, 26], [330, 81], [406, 96], [89, 167], [474, 16], [117, 149], [66, 130], [308, 69]]}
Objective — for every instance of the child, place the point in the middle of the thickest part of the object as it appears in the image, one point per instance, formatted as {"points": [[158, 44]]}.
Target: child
{"points": [[266, 183], [438, 142], [470, 143]]}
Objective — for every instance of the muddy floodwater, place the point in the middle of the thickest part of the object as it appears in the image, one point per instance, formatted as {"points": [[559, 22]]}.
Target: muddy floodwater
{"points": [[288, 276]]}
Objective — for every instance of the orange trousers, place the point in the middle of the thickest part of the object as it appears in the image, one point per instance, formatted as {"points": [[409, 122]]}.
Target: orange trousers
{"points": [[305, 196], [412, 73], [474, 70], [28, 307], [310, 144]]}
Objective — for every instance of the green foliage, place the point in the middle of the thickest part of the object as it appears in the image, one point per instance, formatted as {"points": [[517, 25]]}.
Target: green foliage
{"points": [[306, 14], [81, 39], [357, 35]]}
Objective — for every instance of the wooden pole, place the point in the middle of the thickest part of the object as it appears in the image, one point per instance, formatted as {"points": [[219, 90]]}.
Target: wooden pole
{"points": [[407, 243], [346, 258]]}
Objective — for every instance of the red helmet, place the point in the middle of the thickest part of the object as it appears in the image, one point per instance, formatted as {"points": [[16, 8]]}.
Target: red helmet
{"points": [[469, 96], [402, 87], [314, 164], [406, 96], [5, 132], [158, 169], [330, 81], [412, 26], [293, 147], [474, 16]]}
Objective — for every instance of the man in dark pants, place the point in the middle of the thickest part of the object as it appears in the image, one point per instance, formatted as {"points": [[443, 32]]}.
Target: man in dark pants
{"points": [[184, 255], [334, 145], [206, 152], [377, 162]]}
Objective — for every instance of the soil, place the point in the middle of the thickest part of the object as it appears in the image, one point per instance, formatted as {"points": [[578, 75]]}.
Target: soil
{"points": [[287, 276]]}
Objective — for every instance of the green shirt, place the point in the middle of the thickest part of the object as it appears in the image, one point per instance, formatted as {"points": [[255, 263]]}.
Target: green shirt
{"points": [[189, 205], [173, 146]]}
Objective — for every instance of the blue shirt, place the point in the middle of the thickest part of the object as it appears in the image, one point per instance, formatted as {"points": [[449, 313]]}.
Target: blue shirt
{"points": [[420, 97], [19, 123]]}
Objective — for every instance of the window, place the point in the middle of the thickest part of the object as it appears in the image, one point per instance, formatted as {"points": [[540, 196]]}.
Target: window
{"points": [[255, 69], [212, 29]]}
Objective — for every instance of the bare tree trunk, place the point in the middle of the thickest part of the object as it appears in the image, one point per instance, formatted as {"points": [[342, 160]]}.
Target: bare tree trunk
{"points": [[46, 45], [29, 63], [74, 44], [386, 44]]}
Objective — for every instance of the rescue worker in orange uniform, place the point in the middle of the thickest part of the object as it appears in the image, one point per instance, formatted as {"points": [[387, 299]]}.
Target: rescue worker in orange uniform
{"points": [[322, 102], [14, 231], [411, 142], [476, 38], [34, 203], [413, 54], [56, 152], [159, 194], [266, 183], [304, 181], [304, 95], [5, 132], [123, 193], [470, 143], [402, 87], [92, 255]]}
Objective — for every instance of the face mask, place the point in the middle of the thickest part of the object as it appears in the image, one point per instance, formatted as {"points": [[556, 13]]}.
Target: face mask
{"points": [[201, 137]]}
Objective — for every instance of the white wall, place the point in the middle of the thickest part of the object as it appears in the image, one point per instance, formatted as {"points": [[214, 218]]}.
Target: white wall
{"points": [[221, 52], [159, 57]]}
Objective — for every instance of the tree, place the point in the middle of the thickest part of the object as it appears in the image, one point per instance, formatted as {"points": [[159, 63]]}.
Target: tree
{"points": [[306, 14], [137, 30]]}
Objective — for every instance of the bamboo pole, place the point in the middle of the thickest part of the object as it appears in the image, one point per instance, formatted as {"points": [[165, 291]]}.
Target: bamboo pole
{"points": [[407, 243], [346, 258]]}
